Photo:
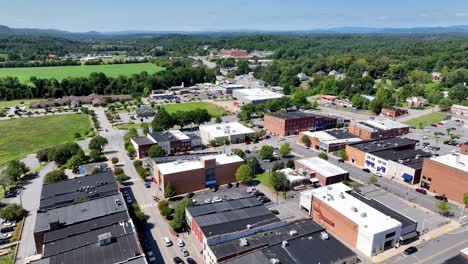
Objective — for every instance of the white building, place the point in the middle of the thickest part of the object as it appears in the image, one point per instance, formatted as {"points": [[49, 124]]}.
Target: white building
{"points": [[353, 220], [229, 88], [255, 96], [234, 132]]}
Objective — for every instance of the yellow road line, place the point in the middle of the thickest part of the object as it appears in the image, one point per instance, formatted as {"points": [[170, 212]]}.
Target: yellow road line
{"points": [[443, 251]]}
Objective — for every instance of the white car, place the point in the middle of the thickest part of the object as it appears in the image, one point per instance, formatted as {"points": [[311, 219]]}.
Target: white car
{"points": [[167, 241], [378, 174], [151, 256], [217, 199], [207, 201], [184, 252], [9, 224], [251, 189], [180, 242], [5, 235]]}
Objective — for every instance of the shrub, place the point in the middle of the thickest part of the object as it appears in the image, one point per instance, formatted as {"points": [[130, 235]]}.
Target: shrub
{"points": [[13, 212], [17, 233], [115, 160], [122, 177], [118, 171], [137, 163], [323, 155], [169, 191], [141, 171], [55, 176]]}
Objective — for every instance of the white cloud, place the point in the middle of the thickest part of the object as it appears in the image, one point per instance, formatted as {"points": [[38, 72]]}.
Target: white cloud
{"points": [[461, 14]]}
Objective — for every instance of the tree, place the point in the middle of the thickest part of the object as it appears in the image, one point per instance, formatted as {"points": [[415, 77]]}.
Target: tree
{"points": [[290, 164], [145, 128], [458, 92], [465, 199], [218, 119], [266, 152], [342, 153], [55, 176], [164, 208], [115, 160], [179, 221], [15, 169], [98, 143], [306, 140], [131, 150], [373, 180], [323, 155], [4, 181], [445, 104], [156, 151], [131, 133], [277, 166], [239, 152], [253, 164], [162, 120], [169, 191], [121, 177], [315, 104], [77, 135], [244, 173], [213, 143], [13, 212], [285, 150], [443, 207], [74, 163], [278, 182]]}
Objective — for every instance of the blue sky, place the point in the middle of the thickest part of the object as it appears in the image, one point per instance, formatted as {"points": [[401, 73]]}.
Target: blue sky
{"points": [[194, 15]]}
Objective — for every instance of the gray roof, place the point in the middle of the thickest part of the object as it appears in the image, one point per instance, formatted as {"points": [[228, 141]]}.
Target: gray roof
{"points": [[79, 212], [142, 141], [161, 136], [383, 144], [223, 206], [298, 115], [66, 192], [391, 154]]}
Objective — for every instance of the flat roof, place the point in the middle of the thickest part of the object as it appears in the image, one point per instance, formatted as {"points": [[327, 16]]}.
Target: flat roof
{"points": [[322, 166], [380, 125], [390, 154], [460, 107], [226, 129], [297, 115], [258, 94], [79, 212], [454, 160], [170, 135], [333, 136], [66, 192], [188, 165], [143, 141], [382, 144], [367, 217]]}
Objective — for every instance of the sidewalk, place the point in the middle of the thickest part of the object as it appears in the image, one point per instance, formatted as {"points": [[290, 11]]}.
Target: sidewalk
{"points": [[434, 234]]}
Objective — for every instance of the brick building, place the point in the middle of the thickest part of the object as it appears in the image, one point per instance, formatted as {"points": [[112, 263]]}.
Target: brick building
{"points": [[325, 172], [328, 140], [293, 123], [446, 175], [356, 153], [378, 129], [192, 175], [464, 148], [234, 53], [393, 112], [459, 110]]}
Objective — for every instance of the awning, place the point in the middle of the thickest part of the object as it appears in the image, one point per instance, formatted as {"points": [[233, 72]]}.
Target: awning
{"points": [[407, 177], [409, 235], [314, 180]]}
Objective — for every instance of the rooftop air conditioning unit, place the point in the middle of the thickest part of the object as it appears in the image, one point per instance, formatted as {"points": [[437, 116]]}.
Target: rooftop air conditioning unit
{"points": [[249, 226], [342, 195], [293, 232], [354, 209], [324, 235], [363, 215], [275, 261], [104, 239], [243, 242], [284, 243]]}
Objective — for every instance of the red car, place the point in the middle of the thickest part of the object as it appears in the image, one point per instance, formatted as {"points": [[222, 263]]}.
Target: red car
{"points": [[434, 125], [453, 128], [421, 190], [248, 142], [440, 123]]}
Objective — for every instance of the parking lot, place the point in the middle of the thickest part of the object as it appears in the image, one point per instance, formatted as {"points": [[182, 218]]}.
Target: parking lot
{"points": [[426, 219]]}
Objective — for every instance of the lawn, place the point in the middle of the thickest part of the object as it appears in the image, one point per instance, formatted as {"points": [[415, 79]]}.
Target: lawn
{"points": [[127, 126], [28, 135], [426, 120], [61, 72], [11, 103], [264, 178], [212, 109]]}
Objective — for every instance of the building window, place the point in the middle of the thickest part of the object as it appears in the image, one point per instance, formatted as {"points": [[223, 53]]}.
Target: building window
{"points": [[424, 177], [392, 234], [210, 177], [430, 179]]}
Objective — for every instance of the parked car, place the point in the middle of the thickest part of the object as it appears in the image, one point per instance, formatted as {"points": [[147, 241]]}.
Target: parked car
{"points": [[229, 185], [248, 142], [190, 195], [10, 194], [411, 250], [441, 197], [216, 199], [366, 170], [191, 261], [8, 224], [247, 151], [421, 190], [184, 252], [178, 260], [147, 185], [258, 193], [433, 125], [207, 201], [167, 241], [180, 242], [151, 256], [214, 189], [251, 190], [264, 199], [275, 212]]}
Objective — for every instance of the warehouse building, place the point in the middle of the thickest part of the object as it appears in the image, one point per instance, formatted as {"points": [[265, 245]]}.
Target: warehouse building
{"points": [[378, 129], [328, 140], [233, 132], [255, 96], [324, 172], [292, 123], [229, 88], [446, 175], [353, 220], [356, 153], [192, 175]]}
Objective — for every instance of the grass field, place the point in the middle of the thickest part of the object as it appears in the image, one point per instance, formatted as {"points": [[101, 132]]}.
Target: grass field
{"points": [[28, 135], [264, 178], [11, 103], [61, 72], [426, 120], [127, 126], [212, 109]]}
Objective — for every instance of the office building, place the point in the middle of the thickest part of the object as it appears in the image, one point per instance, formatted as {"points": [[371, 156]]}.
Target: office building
{"points": [[378, 129], [233, 132], [459, 110], [229, 88], [328, 140], [254, 96], [292, 123], [323, 171], [393, 112]]}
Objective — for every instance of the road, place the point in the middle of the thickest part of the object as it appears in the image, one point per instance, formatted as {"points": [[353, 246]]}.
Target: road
{"points": [[29, 198], [156, 226]]}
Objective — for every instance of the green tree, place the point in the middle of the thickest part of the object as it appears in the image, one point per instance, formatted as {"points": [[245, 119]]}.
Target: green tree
{"points": [[169, 191], [266, 152], [213, 143], [285, 150], [131, 150], [77, 135], [15, 169], [156, 151], [218, 119], [443, 207], [244, 173], [253, 164], [164, 208], [121, 177], [445, 104], [13, 212], [115, 160], [458, 92], [98, 143], [315, 104], [55, 176], [145, 128], [74, 163], [373, 180], [465, 199], [162, 120], [179, 221], [323, 155], [306, 140], [277, 166], [131, 133], [4, 181], [342, 154], [239, 152], [290, 164], [278, 182]]}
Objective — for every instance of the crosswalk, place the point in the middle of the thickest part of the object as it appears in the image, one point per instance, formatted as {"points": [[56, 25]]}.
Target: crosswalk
{"points": [[148, 205], [134, 180]]}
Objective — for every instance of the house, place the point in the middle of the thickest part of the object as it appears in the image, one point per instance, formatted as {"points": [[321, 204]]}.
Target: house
{"points": [[416, 101], [292, 123], [145, 111], [337, 75], [320, 73], [393, 112], [233, 132], [378, 129], [302, 77]]}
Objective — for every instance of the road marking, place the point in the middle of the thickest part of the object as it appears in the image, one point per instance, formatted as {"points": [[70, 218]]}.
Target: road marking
{"points": [[443, 251]]}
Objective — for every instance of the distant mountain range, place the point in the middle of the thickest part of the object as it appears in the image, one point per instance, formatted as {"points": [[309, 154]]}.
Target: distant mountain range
{"points": [[463, 29]]}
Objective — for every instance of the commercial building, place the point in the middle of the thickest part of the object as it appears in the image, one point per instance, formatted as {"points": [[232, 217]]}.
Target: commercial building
{"points": [[325, 172], [172, 141], [85, 220], [229, 88], [254, 96], [77, 101], [234, 132], [192, 175], [446, 175], [404, 165], [292, 123], [233, 53], [356, 152], [459, 110], [354, 220], [328, 140], [378, 129], [393, 112], [245, 231], [464, 149]]}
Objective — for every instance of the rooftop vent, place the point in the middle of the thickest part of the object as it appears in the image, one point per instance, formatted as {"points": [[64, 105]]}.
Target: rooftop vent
{"points": [[104, 239], [275, 261], [342, 195], [354, 209], [243, 242], [284, 243], [249, 226], [363, 215], [324, 235], [293, 232], [118, 202]]}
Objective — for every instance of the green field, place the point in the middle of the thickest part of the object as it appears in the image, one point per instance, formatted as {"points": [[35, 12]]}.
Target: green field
{"points": [[127, 126], [264, 178], [426, 120], [11, 103], [212, 109], [28, 135], [61, 72]]}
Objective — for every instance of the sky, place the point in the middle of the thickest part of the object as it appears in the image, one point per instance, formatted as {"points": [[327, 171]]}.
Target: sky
{"points": [[199, 15]]}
